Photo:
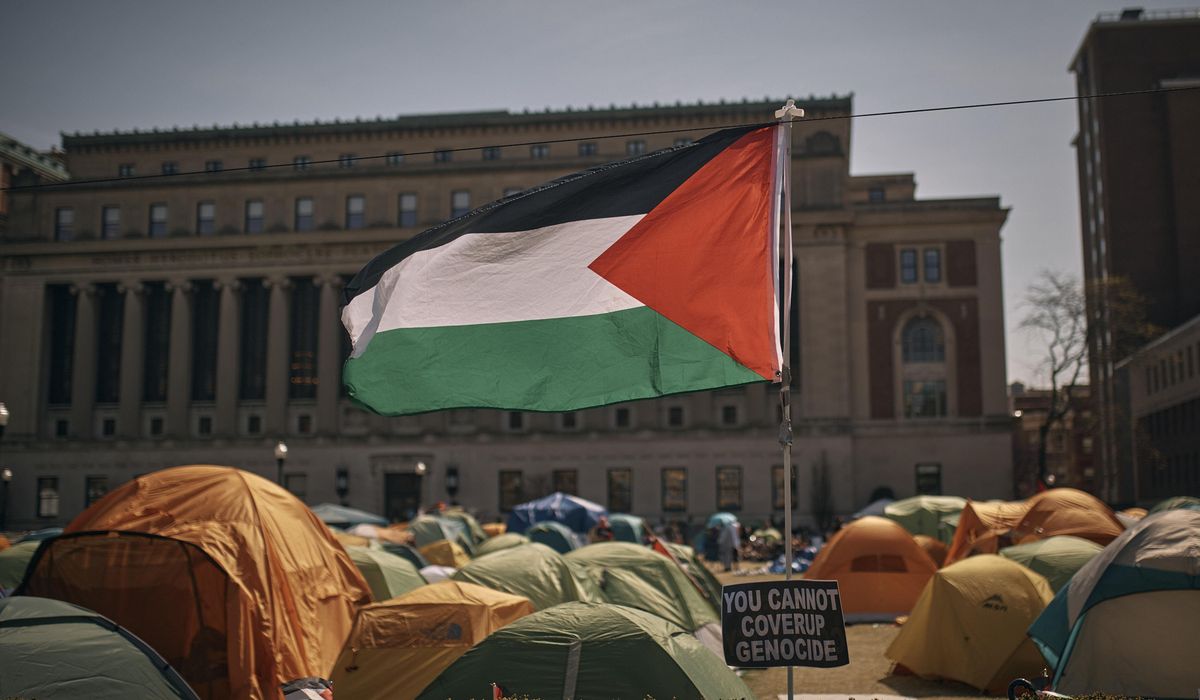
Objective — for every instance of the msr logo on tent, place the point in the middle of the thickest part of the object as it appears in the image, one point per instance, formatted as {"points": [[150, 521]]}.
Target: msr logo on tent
{"points": [[995, 602]]}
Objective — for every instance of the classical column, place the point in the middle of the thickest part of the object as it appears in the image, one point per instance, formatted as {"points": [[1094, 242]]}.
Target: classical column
{"points": [[179, 373], [83, 364], [279, 339], [329, 355], [228, 345], [133, 345]]}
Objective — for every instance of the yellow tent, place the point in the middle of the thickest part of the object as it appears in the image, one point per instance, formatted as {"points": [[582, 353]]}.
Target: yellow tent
{"points": [[399, 646], [969, 624], [445, 553], [227, 575]]}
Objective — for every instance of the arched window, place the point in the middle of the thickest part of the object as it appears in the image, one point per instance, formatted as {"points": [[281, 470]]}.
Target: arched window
{"points": [[923, 341]]}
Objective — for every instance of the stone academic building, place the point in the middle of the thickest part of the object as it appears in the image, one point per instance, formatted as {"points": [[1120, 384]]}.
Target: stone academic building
{"points": [[176, 302]]}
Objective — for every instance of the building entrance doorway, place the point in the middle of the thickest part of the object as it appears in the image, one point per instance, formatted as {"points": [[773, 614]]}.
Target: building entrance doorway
{"points": [[402, 496]]}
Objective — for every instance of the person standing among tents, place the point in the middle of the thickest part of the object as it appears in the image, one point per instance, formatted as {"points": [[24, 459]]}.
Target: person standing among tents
{"points": [[728, 543]]}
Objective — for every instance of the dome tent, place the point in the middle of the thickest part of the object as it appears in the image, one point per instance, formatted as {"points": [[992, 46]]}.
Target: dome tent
{"points": [[1057, 558], [51, 649], [499, 542], [1126, 623], [922, 515], [627, 528], [13, 563], [589, 650], [532, 570], [342, 516], [227, 575], [387, 575], [445, 553], [879, 568], [969, 624], [422, 632], [1175, 503], [554, 535], [576, 513]]}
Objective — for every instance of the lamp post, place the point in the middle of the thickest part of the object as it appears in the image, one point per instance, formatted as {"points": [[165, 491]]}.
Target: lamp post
{"points": [[341, 484], [280, 457], [452, 483], [5, 473]]}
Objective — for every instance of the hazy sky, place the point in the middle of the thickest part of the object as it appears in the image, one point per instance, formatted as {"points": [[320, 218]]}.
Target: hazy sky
{"points": [[118, 64]]}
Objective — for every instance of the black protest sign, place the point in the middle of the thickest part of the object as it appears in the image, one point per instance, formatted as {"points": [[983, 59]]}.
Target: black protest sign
{"points": [[784, 623]]}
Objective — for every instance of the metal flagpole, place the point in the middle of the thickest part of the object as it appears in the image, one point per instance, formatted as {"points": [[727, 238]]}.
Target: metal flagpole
{"points": [[783, 207]]}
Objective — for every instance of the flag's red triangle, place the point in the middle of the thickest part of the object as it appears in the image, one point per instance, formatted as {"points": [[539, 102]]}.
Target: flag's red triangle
{"points": [[702, 257]]}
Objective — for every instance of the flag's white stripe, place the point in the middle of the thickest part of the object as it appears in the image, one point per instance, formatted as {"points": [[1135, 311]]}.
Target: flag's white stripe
{"points": [[494, 278]]}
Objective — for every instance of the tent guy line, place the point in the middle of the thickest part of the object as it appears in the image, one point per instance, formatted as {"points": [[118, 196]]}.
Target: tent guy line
{"points": [[515, 144]]}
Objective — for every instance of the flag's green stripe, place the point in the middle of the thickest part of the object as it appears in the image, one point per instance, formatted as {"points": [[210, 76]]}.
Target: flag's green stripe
{"points": [[557, 364]]}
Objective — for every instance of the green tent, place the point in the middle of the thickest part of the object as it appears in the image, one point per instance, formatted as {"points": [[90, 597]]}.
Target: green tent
{"points": [[1175, 503], [474, 530], [499, 542], [554, 535], [428, 529], [588, 650], [947, 528], [922, 515], [639, 577], [387, 574], [1057, 558], [14, 561], [691, 563], [51, 649], [532, 570], [627, 528]]}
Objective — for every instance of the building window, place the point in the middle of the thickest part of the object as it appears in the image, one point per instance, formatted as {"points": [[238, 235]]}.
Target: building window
{"points": [[110, 319], [206, 218], [622, 417], [213, 166], [729, 415], [729, 488], [675, 417], [64, 224], [62, 428], [156, 350], [304, 424], [408, 209], [47, 497], [346, 160], [254, 216], [442, 156], [94, 488], [620, 490], [301, 163], [460, 203], [254, 424], [204, 425], [125, 170], [158, 220], [683, 141], [491, 153], [566, 481], [933, 265], [170, 167], [110, 222], [62, 343], [587, 148], [255, 311], [296, 484], [908, 265], [635, 147], [512, 489], [674, 489], [569, 420], [395, 158], [538, 151], [929, 479], [108, 427], [925, 398], [777, 494], [304, 214], [923, 341], [514, 420], [876, 195], [302, 368], [356, 211], [156, 426], [257, 164]]}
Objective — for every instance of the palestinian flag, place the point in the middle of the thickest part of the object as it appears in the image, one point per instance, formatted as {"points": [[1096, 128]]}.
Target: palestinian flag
{"points": [[650, 276]]}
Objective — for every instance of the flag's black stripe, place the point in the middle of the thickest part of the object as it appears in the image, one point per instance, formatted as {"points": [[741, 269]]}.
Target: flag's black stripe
{"points": [[623, 188]]}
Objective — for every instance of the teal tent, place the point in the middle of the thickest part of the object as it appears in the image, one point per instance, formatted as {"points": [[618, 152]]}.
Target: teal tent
{"points": [[1057, 558], [50, 649], [588, 650], [14, 561], [341, 516], [1126, 622], [388, 575], [922, 515], [627, 528], [474, 530], [554, 535]]}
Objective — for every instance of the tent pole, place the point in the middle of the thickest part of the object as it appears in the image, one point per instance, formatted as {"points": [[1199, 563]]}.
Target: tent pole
{"points": [[783, 208]]}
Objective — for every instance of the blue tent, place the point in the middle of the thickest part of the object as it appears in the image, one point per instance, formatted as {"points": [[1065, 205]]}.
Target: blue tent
{"points": [[574, 512], [721, 519], [627, 528], [554, 535], [341, 516]]}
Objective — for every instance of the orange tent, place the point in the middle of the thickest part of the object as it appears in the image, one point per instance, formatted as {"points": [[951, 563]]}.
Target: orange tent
{"points": [[445, 553], [493, 529], [879, 568], [4, 543], [936, 549], [228, 576], [985, 528], [421, 632]]}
